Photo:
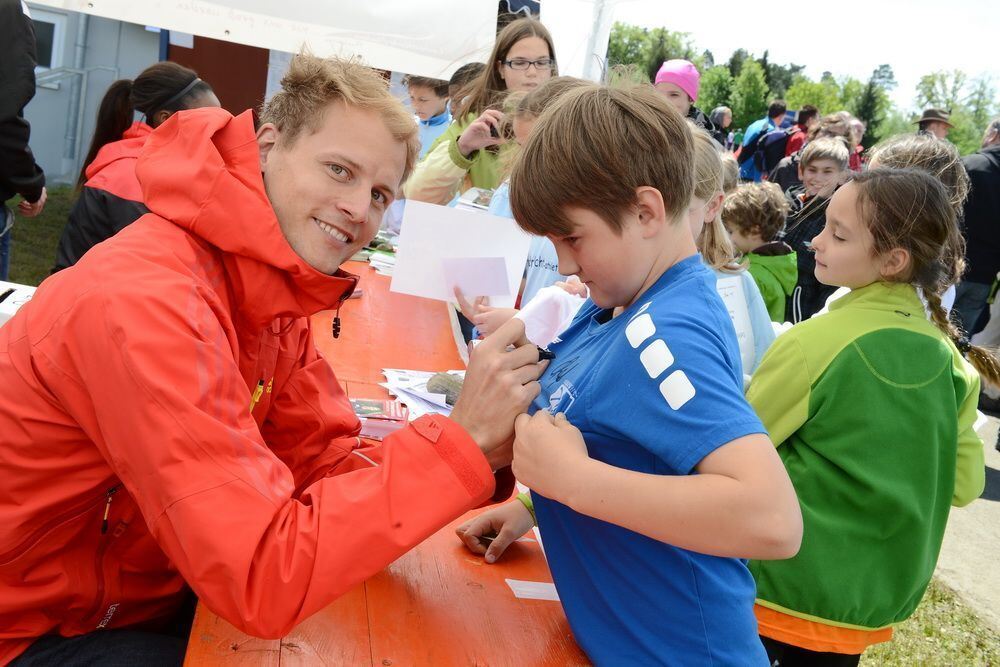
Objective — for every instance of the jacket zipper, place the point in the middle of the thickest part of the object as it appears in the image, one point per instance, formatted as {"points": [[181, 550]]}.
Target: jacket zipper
{"points": [[30, 540], [102, 549]]}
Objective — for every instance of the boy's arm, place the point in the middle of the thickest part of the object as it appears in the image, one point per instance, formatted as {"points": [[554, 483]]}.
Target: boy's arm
{"points": [[970, 468], [741, 504], [779, 389]]}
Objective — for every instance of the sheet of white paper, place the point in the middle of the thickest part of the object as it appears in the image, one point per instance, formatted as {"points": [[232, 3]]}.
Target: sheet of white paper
{"points": [[482, 276], [431, 233], [533, 590], [731, 291]]}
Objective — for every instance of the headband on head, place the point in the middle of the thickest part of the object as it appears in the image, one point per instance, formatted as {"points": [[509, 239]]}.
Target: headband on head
{"points": [[179, 96]]}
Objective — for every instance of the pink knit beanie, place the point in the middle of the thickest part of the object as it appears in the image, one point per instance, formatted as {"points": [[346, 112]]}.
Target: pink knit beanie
{"points": [[682, 74]]}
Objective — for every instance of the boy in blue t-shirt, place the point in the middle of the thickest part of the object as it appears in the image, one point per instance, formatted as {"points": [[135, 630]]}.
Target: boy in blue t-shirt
{"points": [[654, 477]]}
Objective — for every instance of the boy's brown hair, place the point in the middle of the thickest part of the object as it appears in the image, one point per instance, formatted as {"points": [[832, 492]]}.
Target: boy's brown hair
{"points": [[833, 149], [439, 87], [592, 149], [312, 83], [756, 208]]}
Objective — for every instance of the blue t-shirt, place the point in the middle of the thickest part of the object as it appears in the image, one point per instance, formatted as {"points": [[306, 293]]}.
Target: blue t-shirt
{"points": [[654, 390], [542, 268]]}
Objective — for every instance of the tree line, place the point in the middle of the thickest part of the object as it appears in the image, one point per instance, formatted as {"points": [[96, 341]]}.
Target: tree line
{"points": [[746, 83]]}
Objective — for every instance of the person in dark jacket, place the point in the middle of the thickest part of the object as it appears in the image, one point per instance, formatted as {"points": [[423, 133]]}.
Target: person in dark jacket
{"points": [[981, 229], [19, 174], [822, 169], [110, 198], [678, 81]]}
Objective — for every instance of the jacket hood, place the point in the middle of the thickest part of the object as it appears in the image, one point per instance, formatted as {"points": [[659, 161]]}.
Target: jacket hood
{"points": [[126, 148], [200, 170], [784, 268]]}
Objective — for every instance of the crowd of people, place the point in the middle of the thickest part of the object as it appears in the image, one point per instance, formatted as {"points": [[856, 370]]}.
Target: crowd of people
{"points": [[733, 324]]}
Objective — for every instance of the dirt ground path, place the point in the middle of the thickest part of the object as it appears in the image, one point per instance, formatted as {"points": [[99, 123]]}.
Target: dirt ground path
{"points": [[970, 557]]}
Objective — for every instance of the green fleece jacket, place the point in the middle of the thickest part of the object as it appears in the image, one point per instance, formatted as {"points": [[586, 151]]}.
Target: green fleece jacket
{"points": [[776, 276], [872, 409], [440, 175]]}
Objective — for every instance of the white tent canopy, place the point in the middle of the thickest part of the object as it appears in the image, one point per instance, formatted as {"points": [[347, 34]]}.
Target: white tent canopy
{"points": [[425, 37]]}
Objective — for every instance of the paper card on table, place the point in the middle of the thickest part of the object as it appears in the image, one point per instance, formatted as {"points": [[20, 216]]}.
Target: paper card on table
{"points": [[533, 590], [481, 276], [431, 233]]}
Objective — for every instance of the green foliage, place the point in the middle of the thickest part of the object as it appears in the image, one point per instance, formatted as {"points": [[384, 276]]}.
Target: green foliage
{"points": [[750, 94], [747, 83], [648, 48], [716, 88]]}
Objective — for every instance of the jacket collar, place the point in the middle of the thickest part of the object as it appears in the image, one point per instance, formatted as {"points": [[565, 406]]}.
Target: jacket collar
{"points": [[879, 295]]}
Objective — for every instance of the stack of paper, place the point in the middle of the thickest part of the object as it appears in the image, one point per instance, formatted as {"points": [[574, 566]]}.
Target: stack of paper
{"points": [[411, 388], [383, 262]]}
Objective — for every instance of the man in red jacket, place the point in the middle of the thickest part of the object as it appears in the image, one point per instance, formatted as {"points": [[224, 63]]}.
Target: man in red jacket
{"points": [[168, 422]]}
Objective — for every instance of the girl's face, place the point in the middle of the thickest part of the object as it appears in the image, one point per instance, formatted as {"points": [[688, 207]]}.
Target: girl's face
{"points": [[527, 49], [678, 98], [701, 212], [844, 250]]}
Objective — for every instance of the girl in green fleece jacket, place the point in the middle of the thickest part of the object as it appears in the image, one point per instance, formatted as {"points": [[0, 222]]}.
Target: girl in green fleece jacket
{"points": [[872, 406]]}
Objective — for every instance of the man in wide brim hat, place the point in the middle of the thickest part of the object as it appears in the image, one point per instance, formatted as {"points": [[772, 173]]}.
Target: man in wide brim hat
{"points": [[935, 122]]}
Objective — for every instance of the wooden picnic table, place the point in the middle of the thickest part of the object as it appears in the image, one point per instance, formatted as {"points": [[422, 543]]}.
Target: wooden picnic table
{"points": [[438, 604]]}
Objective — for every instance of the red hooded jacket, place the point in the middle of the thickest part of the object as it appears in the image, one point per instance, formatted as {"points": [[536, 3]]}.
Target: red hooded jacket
{"points": [[132, 454]]}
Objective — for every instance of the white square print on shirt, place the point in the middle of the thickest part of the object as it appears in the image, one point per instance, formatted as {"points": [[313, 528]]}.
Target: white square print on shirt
{"points": [[677, 389]]}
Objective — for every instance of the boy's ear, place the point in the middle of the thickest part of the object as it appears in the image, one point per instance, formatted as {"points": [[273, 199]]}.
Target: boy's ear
{"points": [[895, 263], [267, 138], [800, 171], [651, 212]]}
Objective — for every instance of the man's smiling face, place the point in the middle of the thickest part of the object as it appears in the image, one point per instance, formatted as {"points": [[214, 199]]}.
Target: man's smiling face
{"points": [[330, 188]]}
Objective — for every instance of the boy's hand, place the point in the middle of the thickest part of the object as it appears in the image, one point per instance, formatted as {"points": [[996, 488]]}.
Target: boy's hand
{"points": [[488, 319], [505, 523], [470, 309], [548, 452], [499, 385], [574, 287]]}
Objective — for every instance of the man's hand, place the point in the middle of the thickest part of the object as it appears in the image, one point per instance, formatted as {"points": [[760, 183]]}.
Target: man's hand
{"points": [[490, 533], [29, 210], [499, 385], [548, 453]]}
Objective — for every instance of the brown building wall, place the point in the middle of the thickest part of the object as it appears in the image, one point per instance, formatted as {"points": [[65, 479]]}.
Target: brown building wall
{"points": [[236, 72]]}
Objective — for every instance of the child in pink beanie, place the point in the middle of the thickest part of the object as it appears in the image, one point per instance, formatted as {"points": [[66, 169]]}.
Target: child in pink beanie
{"points": [[678, 81]]}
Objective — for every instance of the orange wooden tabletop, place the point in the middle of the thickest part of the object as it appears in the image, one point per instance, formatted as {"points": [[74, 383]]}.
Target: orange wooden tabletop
{"points": [[437, 605]]}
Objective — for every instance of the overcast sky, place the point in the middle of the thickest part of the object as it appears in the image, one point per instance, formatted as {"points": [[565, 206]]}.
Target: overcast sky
{"points": [[846, 37]]}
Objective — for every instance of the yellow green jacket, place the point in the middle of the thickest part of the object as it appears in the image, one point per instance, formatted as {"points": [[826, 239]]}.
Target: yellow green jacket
{"points": [[872, 409], [441, 174]]}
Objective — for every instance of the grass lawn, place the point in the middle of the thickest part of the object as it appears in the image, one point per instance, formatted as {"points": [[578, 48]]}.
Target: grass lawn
{"points": [[34, 240], [943, 632]]}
